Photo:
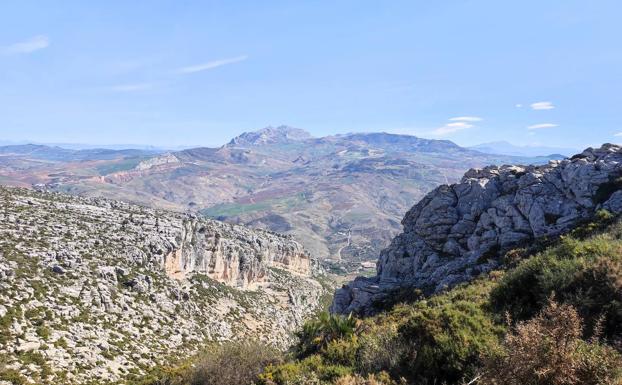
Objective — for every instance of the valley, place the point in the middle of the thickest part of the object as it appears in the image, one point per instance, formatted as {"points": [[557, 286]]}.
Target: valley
{"points": [[341, 196]]}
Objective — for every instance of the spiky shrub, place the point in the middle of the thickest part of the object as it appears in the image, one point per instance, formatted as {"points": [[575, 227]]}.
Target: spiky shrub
{"points": [[548, 350], [316, 334], [447, 339]]}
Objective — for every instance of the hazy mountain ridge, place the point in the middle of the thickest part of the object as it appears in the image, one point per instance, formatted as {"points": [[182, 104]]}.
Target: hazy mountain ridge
{"points": [[506, 148]]}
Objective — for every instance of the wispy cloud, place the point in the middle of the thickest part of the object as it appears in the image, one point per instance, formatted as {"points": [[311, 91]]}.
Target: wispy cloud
{"points": [[618, 134], [450, 128], [542, 106], [131, 87], [542, 125], [466, 119], [33, 44], [211, 65]]}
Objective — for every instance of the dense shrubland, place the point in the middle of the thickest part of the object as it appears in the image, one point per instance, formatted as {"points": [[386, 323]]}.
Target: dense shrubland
{"points": [[553, 318]]}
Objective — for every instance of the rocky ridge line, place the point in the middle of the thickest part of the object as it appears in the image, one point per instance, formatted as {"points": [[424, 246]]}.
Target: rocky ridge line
{"points": [[459, 231]]}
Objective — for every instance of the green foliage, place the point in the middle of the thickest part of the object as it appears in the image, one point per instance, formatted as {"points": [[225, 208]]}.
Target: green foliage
{"points": [[232, 363], [310, 370], [586, 273], [229, 363], [449, 334], [316, 334]]}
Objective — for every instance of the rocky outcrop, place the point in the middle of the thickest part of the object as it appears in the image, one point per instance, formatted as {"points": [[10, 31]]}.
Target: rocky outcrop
{"points": [[458, 231], [159, 160], [231, 254], [97, 288], [270, 135]]}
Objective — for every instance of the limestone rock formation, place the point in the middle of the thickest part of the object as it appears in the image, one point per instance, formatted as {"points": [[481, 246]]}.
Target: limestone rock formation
{"points": [[458, 231], [96, 288]]}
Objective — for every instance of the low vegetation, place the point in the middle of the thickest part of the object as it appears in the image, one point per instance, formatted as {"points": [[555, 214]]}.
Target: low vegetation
{"points": [[554, 318]]}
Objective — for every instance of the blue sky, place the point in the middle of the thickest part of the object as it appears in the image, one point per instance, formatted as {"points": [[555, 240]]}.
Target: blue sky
{"points": [[171, 73]]}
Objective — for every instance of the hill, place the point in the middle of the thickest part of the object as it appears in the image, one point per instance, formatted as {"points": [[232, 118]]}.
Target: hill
{"points": [[507, 148], [94, 288]]}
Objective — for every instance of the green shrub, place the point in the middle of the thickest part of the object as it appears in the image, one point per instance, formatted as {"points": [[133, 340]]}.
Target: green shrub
{"points": [[381, 348], [584, 273], [232, 363], [342, 351], [311, 370], [448, 338], [316, 334]]}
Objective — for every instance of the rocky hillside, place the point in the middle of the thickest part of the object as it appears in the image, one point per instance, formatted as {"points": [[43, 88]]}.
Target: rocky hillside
{"points": [[94, 288], [458, 231]]}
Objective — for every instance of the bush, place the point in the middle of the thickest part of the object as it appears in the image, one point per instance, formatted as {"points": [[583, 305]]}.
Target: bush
{"points": [[448, 339], [233, 363], [311, 370], [584, 273], [381, 349], [548, 350], [316, 334], [372, 379]]}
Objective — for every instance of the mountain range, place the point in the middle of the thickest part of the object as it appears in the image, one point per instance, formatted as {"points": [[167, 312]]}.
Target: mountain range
{"points": [[506, 148], [341, 196]]}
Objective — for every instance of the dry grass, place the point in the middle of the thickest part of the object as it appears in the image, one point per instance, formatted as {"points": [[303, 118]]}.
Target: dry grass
{"points": [[548, 350]]}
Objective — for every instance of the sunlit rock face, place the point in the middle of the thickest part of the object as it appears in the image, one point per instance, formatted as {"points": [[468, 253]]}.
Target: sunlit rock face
{"points": [[458, 231]]}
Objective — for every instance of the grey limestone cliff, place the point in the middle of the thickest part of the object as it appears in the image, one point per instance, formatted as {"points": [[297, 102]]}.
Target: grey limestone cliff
{"points": [[96, 288], [458, 231]]}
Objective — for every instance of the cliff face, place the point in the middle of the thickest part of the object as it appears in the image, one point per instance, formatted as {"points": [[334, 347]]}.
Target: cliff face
{"points": [[101, 289], [234, 255], [458, 231]]}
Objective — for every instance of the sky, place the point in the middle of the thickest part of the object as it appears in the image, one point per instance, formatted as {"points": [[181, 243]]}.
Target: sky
{"points": [[188, 73]]}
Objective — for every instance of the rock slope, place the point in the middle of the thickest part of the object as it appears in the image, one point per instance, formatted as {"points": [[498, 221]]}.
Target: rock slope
{"points": [[458, 231], [98, 289]]}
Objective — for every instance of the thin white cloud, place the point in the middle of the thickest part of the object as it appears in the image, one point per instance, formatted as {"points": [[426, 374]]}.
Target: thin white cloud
{"points": [[542, 106], [33, 44], [131, 87], [211, 65], [450, 128], [518, 105], [466, 119], [541, 125], [618, 134]]}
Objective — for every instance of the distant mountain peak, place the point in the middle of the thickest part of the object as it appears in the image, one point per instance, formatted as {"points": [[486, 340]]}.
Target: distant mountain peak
{"points": [[506, 148], [271, 135]]}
